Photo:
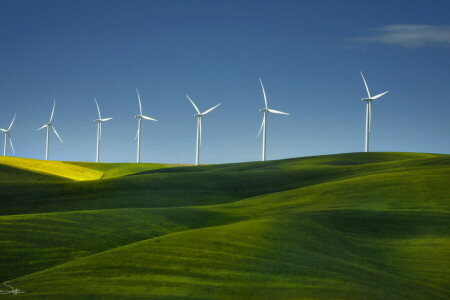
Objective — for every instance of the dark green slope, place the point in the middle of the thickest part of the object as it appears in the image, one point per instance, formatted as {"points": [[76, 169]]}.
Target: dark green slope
{"points": [[33, 242], [350, 226]]}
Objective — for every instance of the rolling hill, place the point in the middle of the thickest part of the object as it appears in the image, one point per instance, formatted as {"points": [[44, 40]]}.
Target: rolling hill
{"points": [[347, 226]]}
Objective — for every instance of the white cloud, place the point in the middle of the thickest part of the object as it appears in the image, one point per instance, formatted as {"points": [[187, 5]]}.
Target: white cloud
{"points": [[410, 35]]}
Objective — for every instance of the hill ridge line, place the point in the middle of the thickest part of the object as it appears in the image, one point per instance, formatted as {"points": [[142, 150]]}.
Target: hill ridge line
{"points": [[343, 178]]}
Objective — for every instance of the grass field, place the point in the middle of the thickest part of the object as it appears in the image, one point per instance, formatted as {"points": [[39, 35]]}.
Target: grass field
{"points": [[347, 226]]}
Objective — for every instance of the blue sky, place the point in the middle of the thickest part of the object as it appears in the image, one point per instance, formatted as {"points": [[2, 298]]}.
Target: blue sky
{"points": [[308, 54]]}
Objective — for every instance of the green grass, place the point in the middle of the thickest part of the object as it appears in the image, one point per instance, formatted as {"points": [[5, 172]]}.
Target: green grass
{"points": [[348, 226]]}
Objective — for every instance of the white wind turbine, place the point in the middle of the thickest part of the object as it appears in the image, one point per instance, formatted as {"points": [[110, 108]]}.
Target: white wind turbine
{"points": [[8, 136], [50, 125], [199, 116], [99, 129], [369, 111], [266, 110], [138, 134]]}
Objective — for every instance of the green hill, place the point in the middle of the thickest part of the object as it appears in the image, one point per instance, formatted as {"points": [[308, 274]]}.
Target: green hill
{"points": [[348, 226]]}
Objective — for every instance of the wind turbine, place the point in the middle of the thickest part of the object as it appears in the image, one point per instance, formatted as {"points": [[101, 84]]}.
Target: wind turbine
{"points": [[8, 136], [99, 129], [49, 125], [265, 111], [369, 111], [199, 116], [138, 134]]}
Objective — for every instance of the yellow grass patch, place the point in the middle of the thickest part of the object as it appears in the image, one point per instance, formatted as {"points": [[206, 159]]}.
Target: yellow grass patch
{"points": [[55, 168]]}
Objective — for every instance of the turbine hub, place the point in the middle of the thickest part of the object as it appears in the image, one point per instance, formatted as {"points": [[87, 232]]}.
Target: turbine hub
{"points": [[264, 109], [198, 115]]}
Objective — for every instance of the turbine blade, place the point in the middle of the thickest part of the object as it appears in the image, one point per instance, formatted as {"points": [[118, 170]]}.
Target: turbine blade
{"points": [[195, 106], [263, 123], [148, 118], [137, 132], [277, 112], [53, 111], [41, 127], [54, 130], [264, 92], [140, 104], [379, 95], [200, 131], [98, 108], [209, 110], [198, 128], [365, 83], [99, 131], [10, 142], [10, 125], [105, 119], [370, 114]]}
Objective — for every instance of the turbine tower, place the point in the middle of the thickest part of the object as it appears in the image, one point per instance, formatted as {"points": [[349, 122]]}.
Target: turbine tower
{"points": [[48, 126], [369, 111], [8, 136], [99, 129], [265, 111], [138, 134], [199, 116]]}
